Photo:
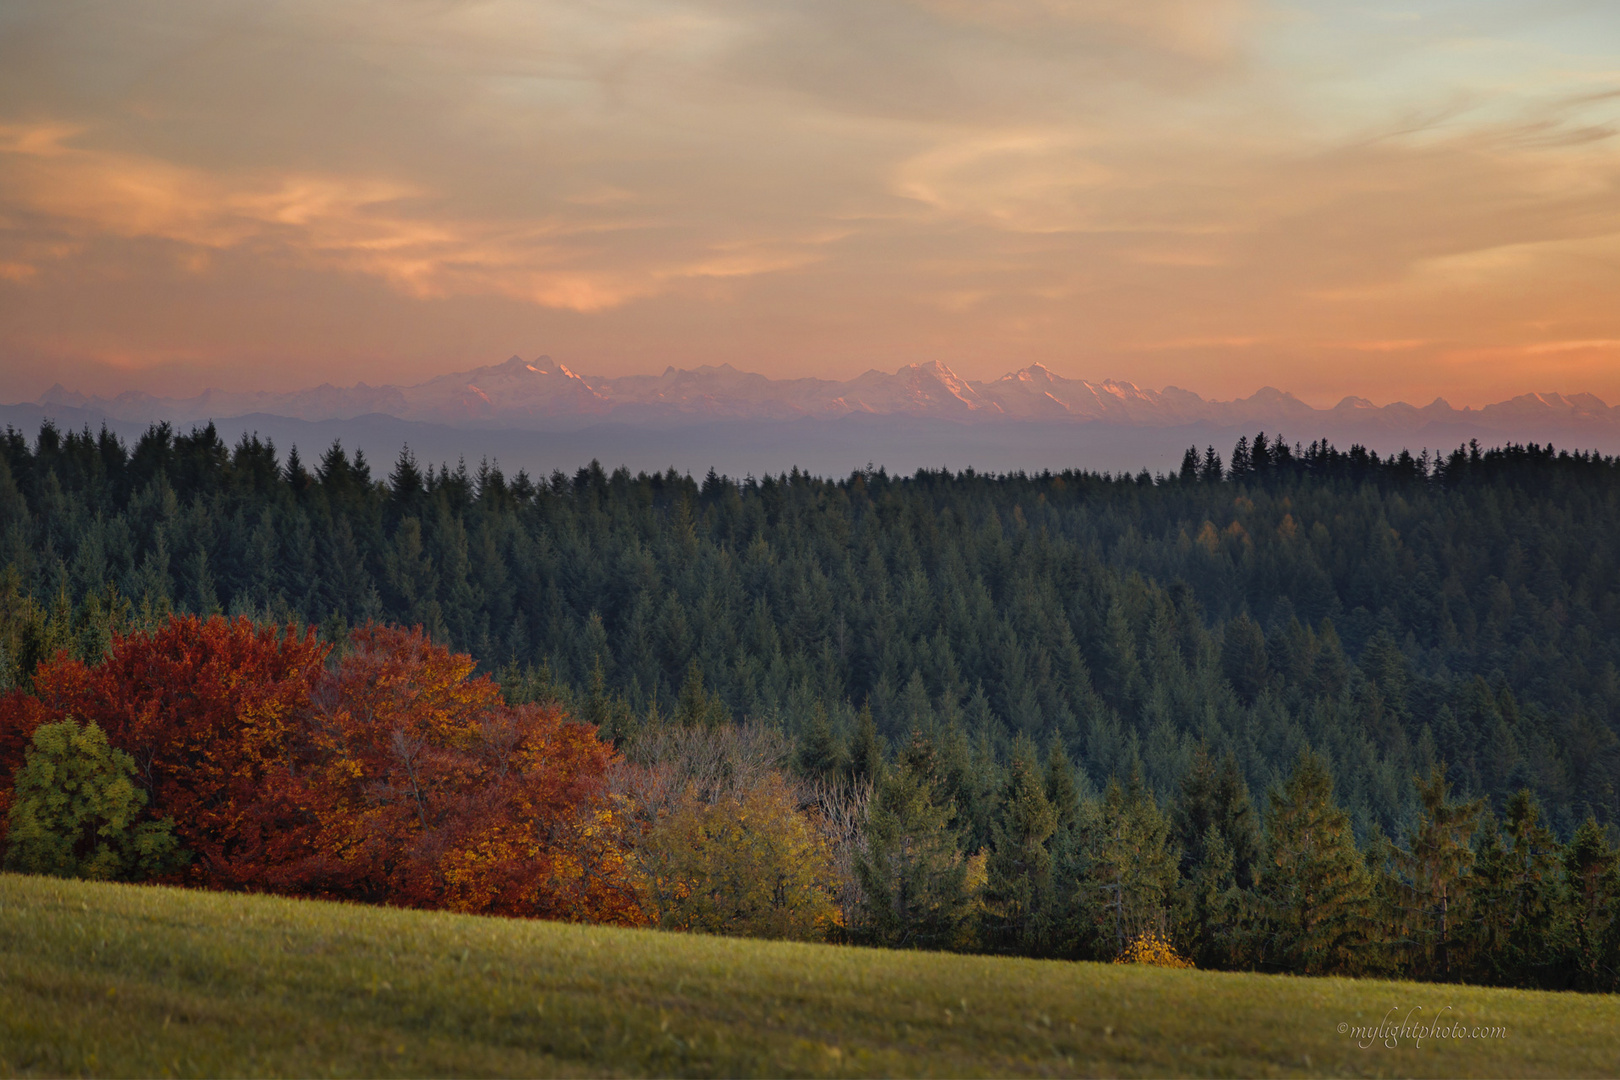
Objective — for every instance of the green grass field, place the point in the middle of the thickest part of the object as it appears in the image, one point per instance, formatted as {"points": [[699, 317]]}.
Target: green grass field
{"points": [[124, 980]]}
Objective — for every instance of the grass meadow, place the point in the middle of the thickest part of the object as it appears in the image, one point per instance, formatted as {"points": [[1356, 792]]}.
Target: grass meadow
{"points": [[118, 980]]}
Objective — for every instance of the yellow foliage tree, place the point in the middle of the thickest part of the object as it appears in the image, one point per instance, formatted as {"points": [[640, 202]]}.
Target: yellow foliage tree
{"points": [[745, 863]]}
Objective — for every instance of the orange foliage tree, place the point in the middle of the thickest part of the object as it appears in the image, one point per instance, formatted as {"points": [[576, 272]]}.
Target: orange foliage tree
{"points": [[433, 792]]}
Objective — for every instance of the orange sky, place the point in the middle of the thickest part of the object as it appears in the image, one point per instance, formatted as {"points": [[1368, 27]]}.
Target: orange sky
{"points": [[1394, 200]]}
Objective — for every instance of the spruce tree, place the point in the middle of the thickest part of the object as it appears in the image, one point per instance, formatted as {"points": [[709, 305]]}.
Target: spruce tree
{"points": [[1018, 891], [1434, 873], [866, 750], [1218, 798], [1509, 920], [972, 784], [820, 753], [696, 707], [915, 888], [1210, 905], [1062, 788], [1313, 894], [1590, 910], [1128, 872], [1188, 473], [1243, 658]]}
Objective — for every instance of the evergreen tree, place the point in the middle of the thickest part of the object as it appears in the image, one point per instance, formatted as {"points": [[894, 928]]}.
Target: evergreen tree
{"points": [[916, 887], [1510, 917], [407, 485], [867, 750], [1062, 787], [610, 713], [1313, 896], [1210, 905], [1434, 875], [1018, 892], [696, 707], [1218, 798], [1188, 472], [1243, 658], [1590, 905], [820, 754], [970, 777], [1128, 872]]}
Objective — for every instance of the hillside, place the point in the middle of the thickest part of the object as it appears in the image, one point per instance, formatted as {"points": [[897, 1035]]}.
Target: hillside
{"points": [[122, 980]]}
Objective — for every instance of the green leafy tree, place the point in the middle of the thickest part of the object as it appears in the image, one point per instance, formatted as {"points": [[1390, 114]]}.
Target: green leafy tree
{"points": [[77, 811], [746, 863]]}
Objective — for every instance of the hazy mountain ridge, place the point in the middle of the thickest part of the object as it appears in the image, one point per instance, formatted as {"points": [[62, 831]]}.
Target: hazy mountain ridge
{"points": [[543, 394]]}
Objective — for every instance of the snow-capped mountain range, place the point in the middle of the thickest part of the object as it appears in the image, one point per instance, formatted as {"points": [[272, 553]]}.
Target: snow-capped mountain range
{"points": [[542, 394]]}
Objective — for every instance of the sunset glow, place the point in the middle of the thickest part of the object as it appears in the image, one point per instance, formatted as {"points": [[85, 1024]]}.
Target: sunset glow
{"points": [[1395, 201]]}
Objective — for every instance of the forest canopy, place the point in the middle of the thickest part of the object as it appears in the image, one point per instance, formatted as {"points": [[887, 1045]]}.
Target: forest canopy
{"points": [[1389, 613]]}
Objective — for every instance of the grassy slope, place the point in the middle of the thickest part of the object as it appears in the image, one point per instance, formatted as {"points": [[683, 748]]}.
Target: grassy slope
{"points": [[125, 980]]}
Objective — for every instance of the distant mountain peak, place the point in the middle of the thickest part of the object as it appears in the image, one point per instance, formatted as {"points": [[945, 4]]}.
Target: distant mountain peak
{"points": [[543, 393], [61, 395]]}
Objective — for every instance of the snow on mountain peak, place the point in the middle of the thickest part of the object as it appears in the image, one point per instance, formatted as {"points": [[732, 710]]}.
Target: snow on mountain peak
{"points": [[535, 393]]}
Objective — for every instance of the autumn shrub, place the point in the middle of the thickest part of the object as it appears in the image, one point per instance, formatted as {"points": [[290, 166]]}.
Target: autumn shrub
{"points": [[78, 813], [1153, 949]]}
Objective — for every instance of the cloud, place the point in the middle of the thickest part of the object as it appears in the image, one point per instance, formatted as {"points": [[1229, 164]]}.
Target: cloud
{"points": [[1215, 193], [1197, 28], [368, 225], [1598, 345]]}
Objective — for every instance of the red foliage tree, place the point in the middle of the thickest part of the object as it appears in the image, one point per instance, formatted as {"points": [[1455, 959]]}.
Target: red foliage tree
{"points": [[20, 714], [210, 711], [396, 777]]}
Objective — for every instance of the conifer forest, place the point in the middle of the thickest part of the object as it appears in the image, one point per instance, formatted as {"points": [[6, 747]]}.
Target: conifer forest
{"points": [[1291, 708]]}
